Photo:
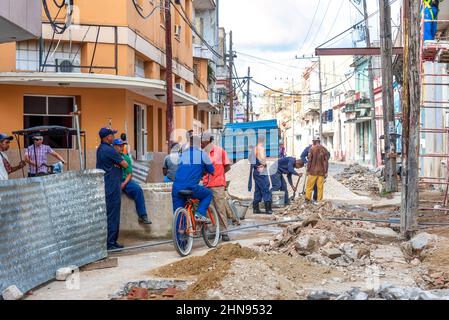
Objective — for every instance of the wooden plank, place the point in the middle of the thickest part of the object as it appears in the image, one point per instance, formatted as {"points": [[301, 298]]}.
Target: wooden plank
{"points": [[101, 264]]}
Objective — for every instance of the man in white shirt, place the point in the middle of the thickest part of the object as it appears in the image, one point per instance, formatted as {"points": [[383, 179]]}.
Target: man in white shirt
{"points": [[5, 167]]}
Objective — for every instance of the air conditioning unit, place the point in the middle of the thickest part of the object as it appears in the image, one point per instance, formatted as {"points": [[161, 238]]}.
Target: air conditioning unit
{"points": [[177, 30], [64, 65], [180, 86]]}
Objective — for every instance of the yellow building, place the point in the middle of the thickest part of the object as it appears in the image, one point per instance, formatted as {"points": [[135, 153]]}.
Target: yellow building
{"points": [[110, 63]]}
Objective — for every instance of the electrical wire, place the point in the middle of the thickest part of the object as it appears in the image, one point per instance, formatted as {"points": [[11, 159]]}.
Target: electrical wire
{"points": [[79, 48], [266, 60], [319, 28], [311, 24], [184, 17], [57, 28], [303, 94], [139, 10]]}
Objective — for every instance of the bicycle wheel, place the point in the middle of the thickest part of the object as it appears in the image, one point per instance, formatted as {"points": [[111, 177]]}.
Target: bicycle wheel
{"points": [[211, 232], [182, 232]]}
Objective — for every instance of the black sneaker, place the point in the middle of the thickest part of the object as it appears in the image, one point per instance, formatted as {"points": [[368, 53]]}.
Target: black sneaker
{"points": [[115, 246], [225, 238], [145, 220]]}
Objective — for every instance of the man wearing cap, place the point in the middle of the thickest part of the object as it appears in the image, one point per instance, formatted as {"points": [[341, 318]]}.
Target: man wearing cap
{"points": [[111, 162], [194, 163], [304, 158], [36, 155], [217, 182], [129, 186], [5, 167], [171, 163], [317, 169]]}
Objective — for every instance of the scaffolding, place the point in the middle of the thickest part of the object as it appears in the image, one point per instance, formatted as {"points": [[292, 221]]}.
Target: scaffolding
{"points": [[434, 127]]}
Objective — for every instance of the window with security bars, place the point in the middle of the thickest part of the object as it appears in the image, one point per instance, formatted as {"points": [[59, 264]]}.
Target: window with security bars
{"points": [[49, 111]]}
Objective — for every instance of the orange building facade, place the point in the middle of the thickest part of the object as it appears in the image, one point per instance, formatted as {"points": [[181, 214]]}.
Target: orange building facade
{"points": [[110, 63]]}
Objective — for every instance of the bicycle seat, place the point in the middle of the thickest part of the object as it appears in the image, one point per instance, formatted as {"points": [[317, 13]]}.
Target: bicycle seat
{"points": [[186, 193]]}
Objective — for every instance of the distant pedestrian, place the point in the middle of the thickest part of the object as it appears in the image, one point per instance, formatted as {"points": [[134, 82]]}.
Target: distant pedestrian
{"points": [[171, 163], [124, 138], [282, 153], [36, 155], [5, 166], [110, 161], [130, 187], [317, 170]]}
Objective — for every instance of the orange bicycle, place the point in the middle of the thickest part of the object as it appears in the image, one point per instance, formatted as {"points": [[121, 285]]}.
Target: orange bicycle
{"points": [[186, 228]]}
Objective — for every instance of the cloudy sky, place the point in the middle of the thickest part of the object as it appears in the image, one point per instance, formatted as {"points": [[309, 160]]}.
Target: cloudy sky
{"points": [[278, 30]]}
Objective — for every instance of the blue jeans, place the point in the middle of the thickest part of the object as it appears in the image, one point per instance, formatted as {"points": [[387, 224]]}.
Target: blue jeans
{"points": [[201, 193], [113, 204], [135, 192], [262, 191], [430, 28]]}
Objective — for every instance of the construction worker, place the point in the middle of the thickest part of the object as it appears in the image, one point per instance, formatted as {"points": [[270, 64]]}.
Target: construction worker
{"points": [[285, 166], [217, 182], [317, 169], [130, 187], [171, 162], [36, 155], [430, 9], [5, 167], [304, 159], [111, 162], [125, 146], [193, 165], [259, 171]]}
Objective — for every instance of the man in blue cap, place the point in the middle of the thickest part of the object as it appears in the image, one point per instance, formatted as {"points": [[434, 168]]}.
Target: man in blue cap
{"points": [[110, 161], [130, 187], [285, 166], [194, 163]]}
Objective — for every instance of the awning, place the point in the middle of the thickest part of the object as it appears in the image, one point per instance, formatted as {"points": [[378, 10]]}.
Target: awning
{"points": [[152, 89], [206, 105]]}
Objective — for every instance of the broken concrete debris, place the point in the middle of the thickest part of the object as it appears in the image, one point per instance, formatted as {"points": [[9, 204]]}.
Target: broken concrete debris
{"points": [[63, 273], [359, 178], [12, 293]]}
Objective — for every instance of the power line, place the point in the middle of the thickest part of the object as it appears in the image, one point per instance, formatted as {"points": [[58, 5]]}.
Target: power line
{"points": [[140, 10], [58, 27], [266, 60], [303, 94], [311, 24], [192, 27], [321, 24]]}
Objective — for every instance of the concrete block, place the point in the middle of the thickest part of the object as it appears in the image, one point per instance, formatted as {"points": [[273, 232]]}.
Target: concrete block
{"points": [[386, 234], [332, 253], [12, 293], [63, 273], [160, 212]]}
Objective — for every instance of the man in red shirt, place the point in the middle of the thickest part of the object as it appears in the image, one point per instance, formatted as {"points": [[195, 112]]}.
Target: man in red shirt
{"points": [[217, 182]]}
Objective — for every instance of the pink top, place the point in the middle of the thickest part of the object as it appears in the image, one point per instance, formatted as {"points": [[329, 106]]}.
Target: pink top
{"points": [[219, 159]]}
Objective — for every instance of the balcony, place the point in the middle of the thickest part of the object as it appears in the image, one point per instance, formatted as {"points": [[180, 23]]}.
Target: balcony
{"points": [[204, 4], [20, 20], [349, 108]]}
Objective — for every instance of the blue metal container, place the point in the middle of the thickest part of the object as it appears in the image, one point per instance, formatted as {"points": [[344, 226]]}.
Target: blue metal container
{"points": [[238, 138]]}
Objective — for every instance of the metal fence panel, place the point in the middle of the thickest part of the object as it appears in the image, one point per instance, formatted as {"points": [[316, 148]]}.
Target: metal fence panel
{"points": [[50, 222]]}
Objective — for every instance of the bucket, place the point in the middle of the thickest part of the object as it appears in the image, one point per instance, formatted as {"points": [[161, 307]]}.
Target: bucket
{"points": [[278, 199]]}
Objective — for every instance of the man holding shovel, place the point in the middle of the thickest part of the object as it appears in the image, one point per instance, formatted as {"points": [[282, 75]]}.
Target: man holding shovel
{"points": [[285, 166]]}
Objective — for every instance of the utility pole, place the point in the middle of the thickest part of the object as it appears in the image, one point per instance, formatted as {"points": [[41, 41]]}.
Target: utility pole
{"points": [[168, 73], [321, 97], [371, 91], [411, 98], [386, 45], [231, 85], [248, 94]]}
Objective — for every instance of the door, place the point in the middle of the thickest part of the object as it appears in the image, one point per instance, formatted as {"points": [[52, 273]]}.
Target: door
{"points": [[141, 131]]}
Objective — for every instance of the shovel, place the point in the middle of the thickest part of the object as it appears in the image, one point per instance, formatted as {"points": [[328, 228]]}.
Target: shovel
{"points": [[294, 193]]}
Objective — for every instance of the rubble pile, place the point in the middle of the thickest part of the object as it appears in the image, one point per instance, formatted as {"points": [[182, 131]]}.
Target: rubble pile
{"points": [[302, 209], [359, 178], [383, 292]]}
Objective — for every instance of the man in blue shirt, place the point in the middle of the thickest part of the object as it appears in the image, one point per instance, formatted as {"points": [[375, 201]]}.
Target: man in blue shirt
{"points": [[111, 162], [193, 164], [286, 166]]}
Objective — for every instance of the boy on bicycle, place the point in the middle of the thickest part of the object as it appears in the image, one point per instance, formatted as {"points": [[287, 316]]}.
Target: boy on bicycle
{"points": [[194, 163]]}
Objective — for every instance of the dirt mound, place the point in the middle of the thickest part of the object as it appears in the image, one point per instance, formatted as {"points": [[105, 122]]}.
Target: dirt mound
{"points": [[209, 269], [359, 178]]}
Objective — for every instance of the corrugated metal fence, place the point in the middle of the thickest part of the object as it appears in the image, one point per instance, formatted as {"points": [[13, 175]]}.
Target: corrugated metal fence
{"points": [[50, 222]]}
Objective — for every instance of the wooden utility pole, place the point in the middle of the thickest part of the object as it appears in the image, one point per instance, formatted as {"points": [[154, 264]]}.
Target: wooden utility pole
{"points": [[247, 93], [411, 98], [321, 97], [386, 44], [371, 90], [231, 84], [168, 73]]}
